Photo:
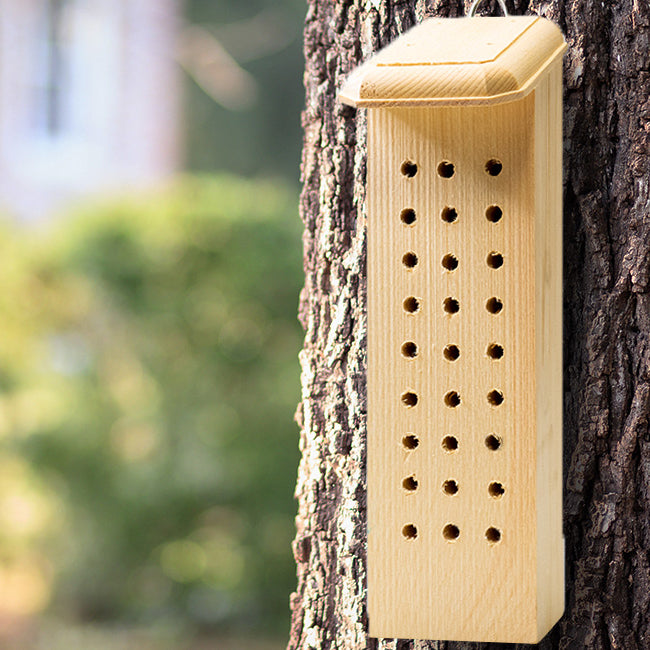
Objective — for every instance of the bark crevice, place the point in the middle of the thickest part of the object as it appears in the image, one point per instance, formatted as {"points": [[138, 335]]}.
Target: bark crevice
{"points": [[606, 331]]}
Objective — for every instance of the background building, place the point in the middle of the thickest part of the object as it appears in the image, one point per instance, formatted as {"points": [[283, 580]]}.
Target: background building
{"points": [[89, 99], [148, 339]]}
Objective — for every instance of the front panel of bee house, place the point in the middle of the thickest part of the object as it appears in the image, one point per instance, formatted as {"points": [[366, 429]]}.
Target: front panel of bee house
{"points": [[464, 214]]}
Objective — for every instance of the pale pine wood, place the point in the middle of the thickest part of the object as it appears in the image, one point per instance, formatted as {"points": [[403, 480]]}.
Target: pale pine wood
{"points": [[468, 589], [465, 91], [464, 60], [548, 361]]}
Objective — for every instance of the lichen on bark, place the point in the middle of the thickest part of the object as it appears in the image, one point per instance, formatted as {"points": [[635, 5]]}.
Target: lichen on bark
{"points": [[606, 334]]}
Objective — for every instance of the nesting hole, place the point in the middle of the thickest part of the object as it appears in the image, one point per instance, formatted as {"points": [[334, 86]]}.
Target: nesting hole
{"points": [[449, 214], [450, 487], [409, 168], [492, 442], [410, 441], [495, 489], [411, 304], [493, 535], [410, 531], [410, 484], [493, 167], [493, 213], [495, 260], [495, 351], [451, 305], [409, 399], [409, 350], [494, 305], [410, 260], [451, 352], [450, 532], [452, 399], [446, 169], [407, 215], [450, 443], [495, 397], [450, 262]]}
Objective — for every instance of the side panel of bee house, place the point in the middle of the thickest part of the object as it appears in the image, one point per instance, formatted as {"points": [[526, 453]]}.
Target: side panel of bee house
{"points": [[465, 367]]}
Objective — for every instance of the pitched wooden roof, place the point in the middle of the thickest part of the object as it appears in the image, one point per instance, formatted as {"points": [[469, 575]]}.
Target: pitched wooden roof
{"points": [[458, 61]]}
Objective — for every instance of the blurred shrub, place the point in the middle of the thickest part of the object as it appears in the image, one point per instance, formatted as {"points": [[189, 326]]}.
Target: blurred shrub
{"points": [[148, 379]]}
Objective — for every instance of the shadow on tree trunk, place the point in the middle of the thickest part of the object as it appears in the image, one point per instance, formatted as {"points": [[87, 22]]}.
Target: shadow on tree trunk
{"points": [[606, 325]]}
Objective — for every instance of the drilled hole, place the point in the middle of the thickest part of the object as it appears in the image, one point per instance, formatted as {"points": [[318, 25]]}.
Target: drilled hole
{"points": [[493, 167], [409, 168], [450, 487], [449, 214], [492, 442], [446, 169], [495, 260], [493, 213], [495, 351], [495, 397], [450, 443], [410, 484], [450, 262], [451, 305], [493, 535], [410, 441], [495, 489], [407, 215], [409, 260], [411, 304], [410, 531], [452, 399], [451, 352], [494, 305], [409, 350], [450, 532], [409, 399]]}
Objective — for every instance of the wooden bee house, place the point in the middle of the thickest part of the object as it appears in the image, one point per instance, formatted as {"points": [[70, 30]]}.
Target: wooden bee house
{"points": [[464, 205]]}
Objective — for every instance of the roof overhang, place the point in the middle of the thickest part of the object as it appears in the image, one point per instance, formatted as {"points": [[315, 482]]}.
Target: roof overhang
{"points": [[458, 61]]}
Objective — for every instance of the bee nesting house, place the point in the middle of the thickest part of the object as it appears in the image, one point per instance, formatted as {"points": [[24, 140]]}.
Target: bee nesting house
{"points": [[464, 207]]}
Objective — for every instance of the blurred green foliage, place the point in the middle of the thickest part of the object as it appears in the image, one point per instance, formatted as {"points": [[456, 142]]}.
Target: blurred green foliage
{"points": [[264, 138], [148, 382]]}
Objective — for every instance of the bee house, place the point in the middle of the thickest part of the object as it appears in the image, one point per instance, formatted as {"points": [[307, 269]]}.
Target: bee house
{"points": [[464, 213]]}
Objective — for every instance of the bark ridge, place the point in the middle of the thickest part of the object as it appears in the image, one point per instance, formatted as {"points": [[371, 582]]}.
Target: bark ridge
{"points": [[606, 329]]}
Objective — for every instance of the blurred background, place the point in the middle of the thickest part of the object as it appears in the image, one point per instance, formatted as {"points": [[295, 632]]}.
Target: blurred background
{"points": [[151, 265]]}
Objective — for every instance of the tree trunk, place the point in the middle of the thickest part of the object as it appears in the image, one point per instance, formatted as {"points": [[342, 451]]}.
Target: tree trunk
{"points": [[606, 333]]}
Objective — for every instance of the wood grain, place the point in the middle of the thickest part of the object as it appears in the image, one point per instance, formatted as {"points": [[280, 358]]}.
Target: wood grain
{"points": [[548, 357], [467, 60], [606, 340], [485, 585]]}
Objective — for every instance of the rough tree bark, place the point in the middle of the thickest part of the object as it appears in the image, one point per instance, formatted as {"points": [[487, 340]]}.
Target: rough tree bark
{"points": [[607, 324]]}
